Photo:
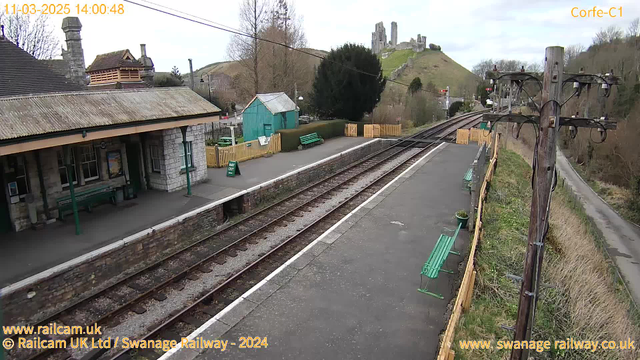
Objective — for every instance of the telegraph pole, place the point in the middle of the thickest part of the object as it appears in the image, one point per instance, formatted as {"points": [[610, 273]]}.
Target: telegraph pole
{"points": [[541, 199]]}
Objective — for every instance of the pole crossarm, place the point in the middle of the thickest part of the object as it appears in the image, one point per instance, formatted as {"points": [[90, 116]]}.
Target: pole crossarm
{"points": [[564, 121], [591, 79]]}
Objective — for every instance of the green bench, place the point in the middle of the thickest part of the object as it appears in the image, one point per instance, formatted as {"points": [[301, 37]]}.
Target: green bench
{"points": [[436, 260], [86, 199], [310, 139], [466, 180]]}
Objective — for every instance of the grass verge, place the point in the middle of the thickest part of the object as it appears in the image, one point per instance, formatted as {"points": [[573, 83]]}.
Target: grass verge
{"points": [[583, 301]]}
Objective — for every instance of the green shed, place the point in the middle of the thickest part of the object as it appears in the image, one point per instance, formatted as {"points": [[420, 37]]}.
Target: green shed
{"points": [[267, 113]]}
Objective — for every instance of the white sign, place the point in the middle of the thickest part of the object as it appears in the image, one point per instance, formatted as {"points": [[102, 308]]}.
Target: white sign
{"points": [[263, 140]]}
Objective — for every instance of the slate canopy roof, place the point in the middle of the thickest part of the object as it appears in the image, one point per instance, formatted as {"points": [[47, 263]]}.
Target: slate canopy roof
{"points": [[114, 60]]}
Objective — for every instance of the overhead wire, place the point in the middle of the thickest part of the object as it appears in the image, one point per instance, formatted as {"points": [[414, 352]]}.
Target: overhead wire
{"points": [[222, 27]]}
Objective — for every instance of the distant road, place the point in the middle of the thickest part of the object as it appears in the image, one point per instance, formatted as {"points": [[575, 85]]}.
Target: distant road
{"points": [[622, 237]]}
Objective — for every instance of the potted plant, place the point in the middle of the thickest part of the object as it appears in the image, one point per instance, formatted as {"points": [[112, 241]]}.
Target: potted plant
{"points": [[462, 217]]}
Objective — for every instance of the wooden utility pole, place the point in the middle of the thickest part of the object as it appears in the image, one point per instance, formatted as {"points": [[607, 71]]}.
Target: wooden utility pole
{"points": [[541, 199]]}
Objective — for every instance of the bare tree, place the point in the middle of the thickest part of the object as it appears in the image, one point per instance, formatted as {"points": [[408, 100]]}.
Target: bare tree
{"points": [[571, 52], [608, 35], [285, 68], [634, 28], [482, 67], [535, 67], [246, 50], [33, 35]]}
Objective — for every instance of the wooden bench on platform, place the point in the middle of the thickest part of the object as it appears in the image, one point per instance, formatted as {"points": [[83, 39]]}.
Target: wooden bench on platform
{"points": [[310, 139], [86, 199], [438, 256], [466, 180]]}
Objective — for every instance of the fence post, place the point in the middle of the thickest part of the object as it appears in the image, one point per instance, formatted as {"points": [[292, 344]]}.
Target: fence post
{"points": [[217, 154]]}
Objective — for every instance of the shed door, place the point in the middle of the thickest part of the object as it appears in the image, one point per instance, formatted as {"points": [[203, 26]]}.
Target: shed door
{"points": [[267, 130]]}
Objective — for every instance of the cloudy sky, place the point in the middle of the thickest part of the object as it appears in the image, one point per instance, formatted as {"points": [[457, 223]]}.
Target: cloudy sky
{"points": [[468, 30]]}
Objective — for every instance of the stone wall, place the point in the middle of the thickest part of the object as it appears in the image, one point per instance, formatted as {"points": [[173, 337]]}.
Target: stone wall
{"points": [[298, 180], [56, 289], [96, 272], [172, 143]]}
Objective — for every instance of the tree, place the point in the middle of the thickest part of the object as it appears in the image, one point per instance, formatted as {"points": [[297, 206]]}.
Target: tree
{"points": [[634, 28], [246, 50], [431, 87], [173, 79], [33, 35], [571, 52], [482, 67], [609, 35], [416, 85], [348, 83]]}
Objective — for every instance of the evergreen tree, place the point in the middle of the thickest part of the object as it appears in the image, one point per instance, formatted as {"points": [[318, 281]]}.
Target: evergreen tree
{"points": [[344, 87], [415, 86]]}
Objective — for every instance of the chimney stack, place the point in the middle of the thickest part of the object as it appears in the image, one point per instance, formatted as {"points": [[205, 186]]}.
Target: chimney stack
{"points": [[149, 70], [74, 55]]}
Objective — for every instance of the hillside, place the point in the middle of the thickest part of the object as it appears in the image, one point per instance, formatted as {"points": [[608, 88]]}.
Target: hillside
{"points": [[434, 66]]}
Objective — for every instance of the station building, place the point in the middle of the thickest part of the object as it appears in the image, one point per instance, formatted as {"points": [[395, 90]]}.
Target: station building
{"points": [[54, 135]]}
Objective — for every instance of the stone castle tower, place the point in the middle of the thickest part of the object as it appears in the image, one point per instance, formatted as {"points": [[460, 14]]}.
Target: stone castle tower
{"points": [[394, 34], [74, 55], [378, 38]]}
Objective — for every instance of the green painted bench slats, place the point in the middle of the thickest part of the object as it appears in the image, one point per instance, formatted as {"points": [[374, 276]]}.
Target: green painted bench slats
{"points": [[86, 199], [436, 260], [466, 180], [310, 139]]}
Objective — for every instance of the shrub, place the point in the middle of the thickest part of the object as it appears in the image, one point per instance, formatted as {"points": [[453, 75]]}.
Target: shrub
{"points": [[290, 138]]}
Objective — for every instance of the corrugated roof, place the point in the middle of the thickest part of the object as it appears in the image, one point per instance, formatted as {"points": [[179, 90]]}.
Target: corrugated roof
{"points": [[276, 102], [23, 116], [114, 60], [21, 73]]}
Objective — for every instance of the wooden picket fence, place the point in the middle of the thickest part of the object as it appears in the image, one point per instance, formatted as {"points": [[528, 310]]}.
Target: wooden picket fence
{"points": [[465, 294], [220, 156], [378, 130], [351, 130]]}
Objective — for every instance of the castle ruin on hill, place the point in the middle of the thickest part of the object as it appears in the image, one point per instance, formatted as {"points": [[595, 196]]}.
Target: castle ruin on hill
{"points": [[379, 41]]}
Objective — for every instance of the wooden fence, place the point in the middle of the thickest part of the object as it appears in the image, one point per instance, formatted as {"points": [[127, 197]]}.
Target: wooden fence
{"points": [[465, 294], [377, 130], [462, 136], [351, 130], [220, 156]]}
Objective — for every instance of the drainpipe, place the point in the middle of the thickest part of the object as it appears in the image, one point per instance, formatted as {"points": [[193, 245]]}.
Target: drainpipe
{"points": [[186, 157], [43, 189], [67, 162]]}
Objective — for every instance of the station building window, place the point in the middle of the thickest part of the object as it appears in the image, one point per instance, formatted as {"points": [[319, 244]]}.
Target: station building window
{"points": [[19, 184], [189, 155], [89, 162], [156, 157], [62, 169]]}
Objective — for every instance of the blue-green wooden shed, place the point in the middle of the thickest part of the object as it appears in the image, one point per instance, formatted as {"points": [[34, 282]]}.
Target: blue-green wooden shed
{"points": [[268, 113]]}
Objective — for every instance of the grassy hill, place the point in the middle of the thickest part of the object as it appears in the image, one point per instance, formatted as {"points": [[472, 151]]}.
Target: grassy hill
{"points": [[434, 66]]}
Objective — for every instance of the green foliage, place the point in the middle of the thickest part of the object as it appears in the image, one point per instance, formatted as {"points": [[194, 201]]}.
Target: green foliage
{"points": [[462, 214], [435, 47], [467, 107], [341, 92], [431, 87], [423, 108], [416, 85], [482, 93], [173, 79], [395, 59], [627, 96], [326, 129], [454, 108]]}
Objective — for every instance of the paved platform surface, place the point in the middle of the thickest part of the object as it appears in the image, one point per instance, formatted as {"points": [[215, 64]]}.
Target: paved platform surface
{"points": [[29, 252], [353, 294], [622, 237]]}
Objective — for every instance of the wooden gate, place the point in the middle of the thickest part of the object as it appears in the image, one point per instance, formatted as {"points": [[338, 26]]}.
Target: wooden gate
{"points": [[462, 136], [372, 130], [351, 130]]}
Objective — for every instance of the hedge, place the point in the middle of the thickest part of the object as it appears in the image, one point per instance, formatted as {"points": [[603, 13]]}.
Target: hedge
{"points": [[327, 129]]}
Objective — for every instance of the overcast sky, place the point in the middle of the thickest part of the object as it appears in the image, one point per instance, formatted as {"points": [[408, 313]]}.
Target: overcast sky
{"points": [[468, 31]]}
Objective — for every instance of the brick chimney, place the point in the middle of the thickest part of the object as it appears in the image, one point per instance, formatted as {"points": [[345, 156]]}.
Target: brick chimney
{"points": [[149, 71], [74, 55]]}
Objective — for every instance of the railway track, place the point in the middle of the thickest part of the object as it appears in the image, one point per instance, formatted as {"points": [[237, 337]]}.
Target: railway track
{"points": [[108, 307]]}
